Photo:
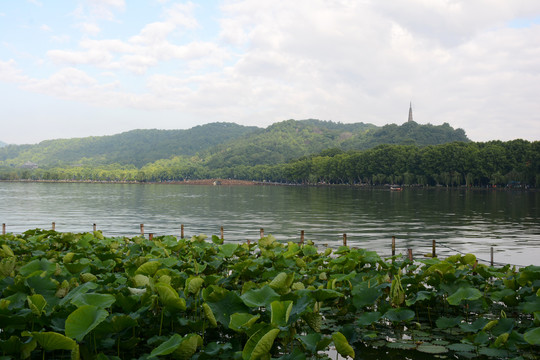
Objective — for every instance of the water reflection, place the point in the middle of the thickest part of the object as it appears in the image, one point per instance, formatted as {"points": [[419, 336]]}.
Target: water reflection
{"points": [[467, 221]]}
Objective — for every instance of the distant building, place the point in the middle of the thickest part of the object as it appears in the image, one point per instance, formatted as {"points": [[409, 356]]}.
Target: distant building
{"points": [[29, 165], [410, 112]]}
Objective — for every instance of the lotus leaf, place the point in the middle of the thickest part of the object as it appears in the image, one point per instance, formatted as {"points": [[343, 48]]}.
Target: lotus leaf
{"points": [[188, 347], [169, 297], [432, 349], [100, 300], [241, 322], [342, 345], [168, 346], [209, 315], [41, 267], [259, 344], [148, 268], [37, 304], [193, 285], [400, 314], [280, 312], [83, 320], [228, 250], [259, 297], [533, 336], [464, 293], [53, 341]]}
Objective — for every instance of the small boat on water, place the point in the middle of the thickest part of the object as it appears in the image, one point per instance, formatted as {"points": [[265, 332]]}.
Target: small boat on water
{"points": [[395, 188]]}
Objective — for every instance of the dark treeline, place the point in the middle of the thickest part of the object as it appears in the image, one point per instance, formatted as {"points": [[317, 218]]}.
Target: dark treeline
{"points": [[514, 163]]}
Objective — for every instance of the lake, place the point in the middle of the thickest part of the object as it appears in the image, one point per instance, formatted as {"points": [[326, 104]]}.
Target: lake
{"points": [[459, 220]]}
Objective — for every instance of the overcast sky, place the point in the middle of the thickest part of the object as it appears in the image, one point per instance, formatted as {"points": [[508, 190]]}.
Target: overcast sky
{"points": [[74, 68]]}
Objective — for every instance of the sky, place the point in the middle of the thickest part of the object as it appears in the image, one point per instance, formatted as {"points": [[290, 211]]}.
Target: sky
{"points": [[77, 68]]}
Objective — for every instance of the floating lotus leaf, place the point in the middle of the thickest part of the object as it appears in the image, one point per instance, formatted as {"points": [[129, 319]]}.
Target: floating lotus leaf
{"points": [[400, 314], [432, 349]]}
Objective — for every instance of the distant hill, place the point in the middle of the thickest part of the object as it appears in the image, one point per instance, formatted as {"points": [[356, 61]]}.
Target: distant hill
{"points": [[136, 147], [293, 139], [221, 145], [2, 144]]}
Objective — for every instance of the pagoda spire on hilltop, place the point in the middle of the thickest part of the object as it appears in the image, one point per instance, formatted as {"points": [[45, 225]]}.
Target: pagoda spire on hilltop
{"points": [[410, 112]]}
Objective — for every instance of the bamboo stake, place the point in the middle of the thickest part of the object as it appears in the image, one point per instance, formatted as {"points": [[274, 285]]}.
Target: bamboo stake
{"points": [[492, 256], [54, 226], [302, 237], [410, 254], [3, 228], [222, 233], [433, 254], [150, 236], [393, 245], [142, 229], [344, 239], [95, 226], [262, 233], [182, 231]]}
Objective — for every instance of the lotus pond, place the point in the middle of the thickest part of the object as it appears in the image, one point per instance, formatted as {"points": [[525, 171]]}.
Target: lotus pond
{"points": [[86, 296]]}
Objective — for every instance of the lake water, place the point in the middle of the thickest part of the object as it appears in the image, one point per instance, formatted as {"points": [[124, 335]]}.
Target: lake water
{"points": [[459, 220]]}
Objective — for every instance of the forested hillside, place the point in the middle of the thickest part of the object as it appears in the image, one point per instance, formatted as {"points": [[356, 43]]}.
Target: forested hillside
{"points": [[223, 144], [2, 144], [136, 147]]}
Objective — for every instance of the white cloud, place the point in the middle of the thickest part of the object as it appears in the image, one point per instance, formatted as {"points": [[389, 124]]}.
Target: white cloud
{"points": [[45, 28]]}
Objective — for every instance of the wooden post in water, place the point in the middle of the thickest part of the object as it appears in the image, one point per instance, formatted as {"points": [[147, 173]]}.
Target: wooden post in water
{"points": [[142, 229], [150, 236], [344, 239], [302, 237], [221, 230], [182, 231], [410, 254], [262, 233], [492, 256], [433, 254], [393, 245], [54, 226], [3, 228], [95, 226]]}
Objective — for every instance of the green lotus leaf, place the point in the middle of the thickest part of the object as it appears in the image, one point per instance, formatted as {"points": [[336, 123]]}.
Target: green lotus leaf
{"points": [[188, 347], [6, 251], [314, 320], [37, 304], [432, 349], [100, 300], [363, 295], [342, 345], [310, 341], [399, 314], [460, 347], [266, 242], [42, 267], [464, 293], [122, 322], [533, 336], [53, 341], [226, 306], [401, 345], [280, 312], [228, 250], [193, 285], [468, 259], [368, 318], [420, 296], [446, 322], [168, 346], [282, 282], [7, 266], [241, 322], [476, 326], [140, 280], [83, 320], [259, 344], [217, 240], [169, 297], [209, 315], [259, 297], [325, 294], [148, 268], [78, 290]]}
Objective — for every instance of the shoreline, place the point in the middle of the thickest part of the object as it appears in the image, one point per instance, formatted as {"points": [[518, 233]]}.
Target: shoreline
{"points": [[236, 182]]}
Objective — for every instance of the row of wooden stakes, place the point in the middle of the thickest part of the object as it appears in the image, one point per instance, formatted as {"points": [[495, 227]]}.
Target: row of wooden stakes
{"points": [[151, 236]]}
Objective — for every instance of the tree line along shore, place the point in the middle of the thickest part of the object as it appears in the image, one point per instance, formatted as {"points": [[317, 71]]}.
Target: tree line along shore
{"points": [[513, 163]]}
